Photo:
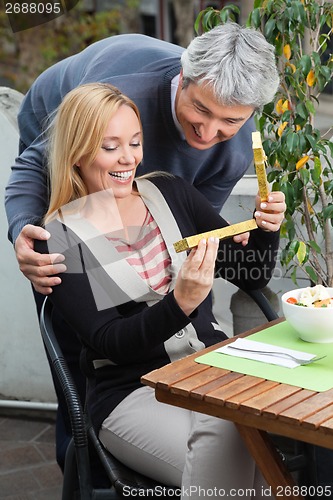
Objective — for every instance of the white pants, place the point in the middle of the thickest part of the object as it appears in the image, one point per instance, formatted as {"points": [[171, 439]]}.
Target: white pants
{"points": [[202, 455]]}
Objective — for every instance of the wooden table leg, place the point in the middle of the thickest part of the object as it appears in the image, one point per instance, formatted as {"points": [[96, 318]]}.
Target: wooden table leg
{"points": [[269, 462]]}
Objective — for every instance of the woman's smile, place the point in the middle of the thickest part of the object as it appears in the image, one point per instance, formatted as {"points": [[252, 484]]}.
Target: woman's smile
{"points": [[122, 176]]}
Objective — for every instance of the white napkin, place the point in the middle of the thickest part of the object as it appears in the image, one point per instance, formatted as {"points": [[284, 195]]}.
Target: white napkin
{"points": [[266, 358]]}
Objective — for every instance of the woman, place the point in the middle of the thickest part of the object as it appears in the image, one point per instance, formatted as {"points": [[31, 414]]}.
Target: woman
{"points": [[136, 304]]}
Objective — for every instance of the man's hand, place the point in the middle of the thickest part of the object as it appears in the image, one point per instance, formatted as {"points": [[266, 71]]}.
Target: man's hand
{"points": [[269, 214], [196, 276], [38, 268]]}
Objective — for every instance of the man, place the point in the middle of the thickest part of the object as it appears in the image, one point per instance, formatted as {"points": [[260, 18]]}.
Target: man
{"points": [[196, 107]]}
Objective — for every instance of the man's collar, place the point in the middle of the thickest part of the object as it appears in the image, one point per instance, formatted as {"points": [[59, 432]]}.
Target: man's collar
{"points": [[174, 88]]}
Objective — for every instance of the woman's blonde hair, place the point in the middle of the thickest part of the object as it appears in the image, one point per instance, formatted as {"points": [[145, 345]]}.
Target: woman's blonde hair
{"points": [[76, 131]]}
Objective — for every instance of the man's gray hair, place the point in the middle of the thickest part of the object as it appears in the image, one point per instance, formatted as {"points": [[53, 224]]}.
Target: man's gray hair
{"points": [[237, 62]]}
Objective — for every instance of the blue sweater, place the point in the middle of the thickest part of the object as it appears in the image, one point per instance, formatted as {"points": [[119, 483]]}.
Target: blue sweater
{"points": [[135, 334], [141, 67]]}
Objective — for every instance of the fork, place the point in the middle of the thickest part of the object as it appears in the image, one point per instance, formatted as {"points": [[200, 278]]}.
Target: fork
{"points": [[301, 362]]}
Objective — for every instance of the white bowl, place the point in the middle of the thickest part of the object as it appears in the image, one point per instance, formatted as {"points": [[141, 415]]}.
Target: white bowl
{"points": [[313, 324]]}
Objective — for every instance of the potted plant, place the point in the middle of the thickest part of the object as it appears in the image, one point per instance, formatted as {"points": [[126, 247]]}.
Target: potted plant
{"points": [[298, 154]]}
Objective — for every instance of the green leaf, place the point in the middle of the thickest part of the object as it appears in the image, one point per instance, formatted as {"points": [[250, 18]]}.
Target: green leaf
{"points": [[271, 176], [303, 145], [283, 230], [292, 142], [311, 273], [280, 24], [323, 39], [229, 12], [310, 107], [269, 28], [290, 226], [328, 212], [255, 18], [293, 276], [314, 246], [305, 175], [329, 21], [197, 22], [326, 72], [330, 145], [305, 64], [302, 252], [293, 247], [207, 18], [286, 116], [288, 191], [321, 82], [207, 23], [301, 110], [301, 13], [316, 171], [311, 141], [316, 59]]}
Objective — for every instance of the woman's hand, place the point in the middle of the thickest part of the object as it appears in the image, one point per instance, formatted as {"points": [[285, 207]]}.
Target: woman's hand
{"points": [[196, 276], [270, 214]]}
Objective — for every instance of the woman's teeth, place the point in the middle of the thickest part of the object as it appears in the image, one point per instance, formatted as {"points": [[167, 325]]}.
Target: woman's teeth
{"points": [[121, 175], [197, 133]]}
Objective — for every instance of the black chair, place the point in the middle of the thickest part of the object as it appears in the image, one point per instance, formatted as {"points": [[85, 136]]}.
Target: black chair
{"points": [[261, 300], [78, 481]]}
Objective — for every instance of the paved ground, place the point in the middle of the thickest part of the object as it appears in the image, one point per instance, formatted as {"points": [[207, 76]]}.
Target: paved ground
{"points": [[28, 470]]}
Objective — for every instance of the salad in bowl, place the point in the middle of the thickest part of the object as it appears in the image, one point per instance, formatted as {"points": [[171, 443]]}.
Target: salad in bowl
{"points": [[310, 312], [316, 296]]}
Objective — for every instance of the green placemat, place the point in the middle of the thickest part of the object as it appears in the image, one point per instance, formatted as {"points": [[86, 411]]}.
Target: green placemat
{"points": [[315, 377]]}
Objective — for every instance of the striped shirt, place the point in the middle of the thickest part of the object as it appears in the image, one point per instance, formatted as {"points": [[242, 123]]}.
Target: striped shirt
{"points": [[145, 250]]}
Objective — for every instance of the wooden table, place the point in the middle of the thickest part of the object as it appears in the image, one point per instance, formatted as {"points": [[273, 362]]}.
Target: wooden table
{"points": [[255, 405]]}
